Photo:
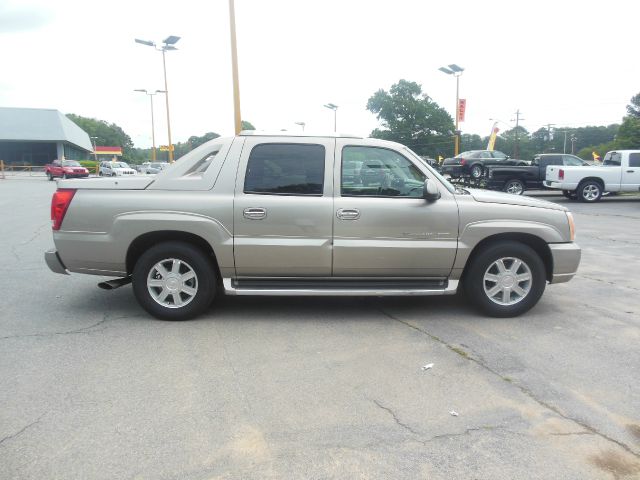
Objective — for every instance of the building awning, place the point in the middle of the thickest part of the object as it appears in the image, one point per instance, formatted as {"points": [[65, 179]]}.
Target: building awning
{"points": [[108, 151]]}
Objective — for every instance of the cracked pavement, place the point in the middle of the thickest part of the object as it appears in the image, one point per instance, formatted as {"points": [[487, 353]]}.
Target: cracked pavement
{"points": [[91, 387]]}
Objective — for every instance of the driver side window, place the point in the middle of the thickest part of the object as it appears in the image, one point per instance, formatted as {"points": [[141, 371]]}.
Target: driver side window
{"points": [[379, 172]]}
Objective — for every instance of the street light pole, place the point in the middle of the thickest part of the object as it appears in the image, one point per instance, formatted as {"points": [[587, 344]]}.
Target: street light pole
{"points": [[333, 107], [456, 71], [153, 128], [167, 44]]}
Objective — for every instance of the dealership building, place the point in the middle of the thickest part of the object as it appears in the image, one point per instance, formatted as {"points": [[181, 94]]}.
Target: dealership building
{"points": [[36, 136]]}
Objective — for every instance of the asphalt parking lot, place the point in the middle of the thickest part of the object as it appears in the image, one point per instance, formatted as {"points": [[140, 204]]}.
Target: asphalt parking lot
{"points": [[91, 387]]}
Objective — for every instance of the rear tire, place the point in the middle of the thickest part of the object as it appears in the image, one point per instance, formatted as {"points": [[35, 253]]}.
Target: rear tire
{"points": [[476, 171], [589, 191], [514, 186], [505, 279], [174, 281]]}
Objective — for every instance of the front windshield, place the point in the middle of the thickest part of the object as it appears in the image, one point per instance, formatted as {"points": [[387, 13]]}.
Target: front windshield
{"points": [[70, 163], [443, 180]]}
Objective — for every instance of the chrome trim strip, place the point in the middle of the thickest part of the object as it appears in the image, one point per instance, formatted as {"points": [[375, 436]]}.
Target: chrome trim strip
{"points": [[328, 292]]}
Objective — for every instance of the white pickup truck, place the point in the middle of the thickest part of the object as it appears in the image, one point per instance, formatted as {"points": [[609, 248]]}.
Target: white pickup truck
{"points": [[620, 172]]}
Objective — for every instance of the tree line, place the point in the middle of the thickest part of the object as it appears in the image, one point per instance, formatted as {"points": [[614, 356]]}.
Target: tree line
{"points": [[409, 116]]}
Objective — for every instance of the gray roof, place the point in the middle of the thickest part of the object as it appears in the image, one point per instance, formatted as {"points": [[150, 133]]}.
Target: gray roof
{"points": [[41, 125]]}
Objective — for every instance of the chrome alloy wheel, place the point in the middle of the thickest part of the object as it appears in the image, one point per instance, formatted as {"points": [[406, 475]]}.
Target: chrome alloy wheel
{"points": [[172, 283], [507, 281], [590, 192], [514, 187]]}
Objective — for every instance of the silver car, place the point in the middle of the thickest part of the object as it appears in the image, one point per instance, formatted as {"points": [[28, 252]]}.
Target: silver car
{"points": [[261, 214]]}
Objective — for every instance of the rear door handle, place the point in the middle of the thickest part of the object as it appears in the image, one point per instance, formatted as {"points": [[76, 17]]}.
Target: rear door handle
{"points": [[630, 171], [348, 214], [254, 213]]}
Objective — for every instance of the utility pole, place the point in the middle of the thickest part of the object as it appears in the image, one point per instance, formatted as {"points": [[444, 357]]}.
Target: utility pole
{"points": [[573, 144], [516, 150]]}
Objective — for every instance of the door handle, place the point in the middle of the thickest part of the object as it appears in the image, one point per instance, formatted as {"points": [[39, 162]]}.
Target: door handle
{"points": [[254, 213], [348, 214], [630, 171]]}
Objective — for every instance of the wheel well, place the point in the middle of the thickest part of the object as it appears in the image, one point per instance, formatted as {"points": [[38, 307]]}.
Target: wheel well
{"points": [[592, 179], [536, 243], [148, 240]]}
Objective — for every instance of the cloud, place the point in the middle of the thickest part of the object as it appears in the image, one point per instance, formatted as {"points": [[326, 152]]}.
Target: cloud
{"points": [[23, 18]]}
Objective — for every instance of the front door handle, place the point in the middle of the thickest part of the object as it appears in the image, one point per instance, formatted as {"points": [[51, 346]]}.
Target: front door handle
{"points": [[254, 213], [630, 171], [348, 214]]}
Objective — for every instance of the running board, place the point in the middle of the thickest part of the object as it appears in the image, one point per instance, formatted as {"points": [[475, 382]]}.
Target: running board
{"points": [[339, 288]]}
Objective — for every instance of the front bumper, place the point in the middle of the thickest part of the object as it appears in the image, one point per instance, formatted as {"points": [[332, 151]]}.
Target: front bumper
{"points": [[566, 259], [54, 262]]}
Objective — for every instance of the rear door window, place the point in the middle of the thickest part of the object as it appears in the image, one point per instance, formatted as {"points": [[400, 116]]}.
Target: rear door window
{"points": [[285, 169], [634, 159]]}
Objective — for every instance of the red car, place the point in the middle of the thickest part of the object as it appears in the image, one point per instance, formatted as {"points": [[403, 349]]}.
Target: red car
{"points": [[65, 169]]}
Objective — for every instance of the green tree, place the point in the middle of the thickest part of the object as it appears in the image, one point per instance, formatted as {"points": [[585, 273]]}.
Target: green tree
{"points": [[247, 125], [633, 109], [472, 142], [109, 134], [410, 117], [629, 133]]}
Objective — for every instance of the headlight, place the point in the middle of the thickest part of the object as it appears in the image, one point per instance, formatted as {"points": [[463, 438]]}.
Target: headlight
{"points": [[572, 227]]}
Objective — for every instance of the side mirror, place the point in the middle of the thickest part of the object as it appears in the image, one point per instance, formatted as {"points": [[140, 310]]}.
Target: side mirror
{"points": [[430, 191]]}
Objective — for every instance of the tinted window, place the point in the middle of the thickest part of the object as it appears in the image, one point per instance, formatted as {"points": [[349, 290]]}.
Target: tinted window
{"points": [[499, 155], [285, 169], [634, 159], [573, 161], [469, 154], [484, 155], [378, 172], [612, 159]]}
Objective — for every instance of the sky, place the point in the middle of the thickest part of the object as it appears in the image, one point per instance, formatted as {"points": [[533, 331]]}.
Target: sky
{"points": [[567, 63]]}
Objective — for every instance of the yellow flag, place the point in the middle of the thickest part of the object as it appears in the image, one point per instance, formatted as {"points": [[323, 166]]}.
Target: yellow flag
{"points": [[440, 158], [596, 157]]}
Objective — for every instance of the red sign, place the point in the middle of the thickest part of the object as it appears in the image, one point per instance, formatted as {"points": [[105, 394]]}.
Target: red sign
{"points": [[462, 106]]}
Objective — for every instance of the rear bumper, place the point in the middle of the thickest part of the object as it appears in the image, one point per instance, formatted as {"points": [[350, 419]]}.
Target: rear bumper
{"points": [[566, 259], [453, 170], [54, 262]]}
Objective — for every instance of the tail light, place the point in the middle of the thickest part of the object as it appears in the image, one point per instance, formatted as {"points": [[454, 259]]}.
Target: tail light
{"points": [[561, 174], [463, 161], [59, 205]]}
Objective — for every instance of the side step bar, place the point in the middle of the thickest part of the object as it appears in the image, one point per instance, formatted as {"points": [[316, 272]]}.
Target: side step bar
{"points": [[339, 288]]}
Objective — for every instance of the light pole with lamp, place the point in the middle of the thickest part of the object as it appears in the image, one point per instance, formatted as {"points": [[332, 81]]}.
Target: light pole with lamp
{"points": [[333, 107], [153, 128], [302, 124], [456, 71], [167, 44]]}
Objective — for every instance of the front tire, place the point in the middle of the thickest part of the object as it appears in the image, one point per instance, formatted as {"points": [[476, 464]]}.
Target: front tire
{"points": [[589, 191], [174, 281], [514, 186], [50, 177], [505, 279]]}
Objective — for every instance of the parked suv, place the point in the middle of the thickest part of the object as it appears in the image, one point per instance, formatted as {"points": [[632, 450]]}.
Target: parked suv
{"points": [[474, 163], [115, 169], [261, 214]]}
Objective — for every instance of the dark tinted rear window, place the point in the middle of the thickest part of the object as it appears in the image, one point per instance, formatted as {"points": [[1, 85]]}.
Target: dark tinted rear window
{"points": [[285, 169], [634, 159]]}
